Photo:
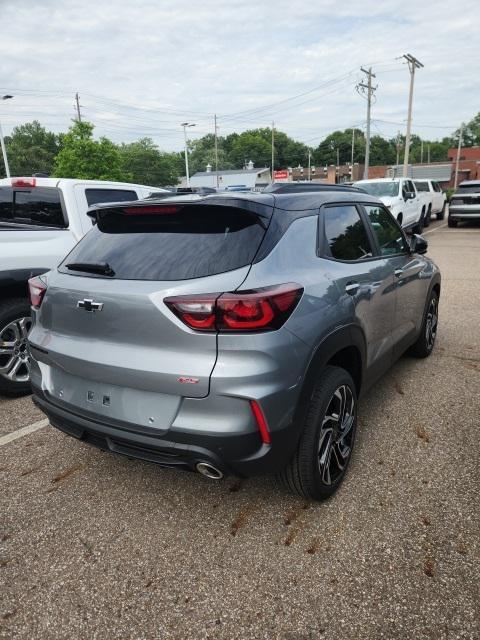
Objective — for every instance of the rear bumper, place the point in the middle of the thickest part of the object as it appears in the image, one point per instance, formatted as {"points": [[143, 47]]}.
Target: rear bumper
{"points": [[241, 455]]}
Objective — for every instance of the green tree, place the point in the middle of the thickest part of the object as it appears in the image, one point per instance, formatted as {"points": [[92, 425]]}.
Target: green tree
{"points": [[31, 149], [326, 152], [81, 156], [147, 165], [202, 152], [471, 133]]}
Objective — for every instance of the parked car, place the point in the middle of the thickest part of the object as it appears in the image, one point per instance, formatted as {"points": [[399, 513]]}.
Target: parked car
{"points": [[434, 196], [41, 219], [464, 203], [238, 340], [401, 197]]}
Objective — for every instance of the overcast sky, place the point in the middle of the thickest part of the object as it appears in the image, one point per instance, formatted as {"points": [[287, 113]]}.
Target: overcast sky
{"points": [[143, 67]]}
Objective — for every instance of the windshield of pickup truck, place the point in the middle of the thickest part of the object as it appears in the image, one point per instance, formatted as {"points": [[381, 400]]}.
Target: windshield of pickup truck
{"points": [[380, 189]]}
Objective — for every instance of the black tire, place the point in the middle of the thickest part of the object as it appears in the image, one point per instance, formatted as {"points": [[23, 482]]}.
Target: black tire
{"points": [[441, 214], [305, 474], [452, 223], [10, 311], [423, 347], [428, 217]]}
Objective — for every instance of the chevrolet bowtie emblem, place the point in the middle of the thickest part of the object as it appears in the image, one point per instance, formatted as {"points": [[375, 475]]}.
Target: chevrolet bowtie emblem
{"points": [[89, 305]]}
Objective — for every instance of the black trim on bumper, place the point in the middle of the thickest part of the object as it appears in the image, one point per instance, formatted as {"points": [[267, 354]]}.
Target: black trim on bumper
{"points": [[242, 455]]}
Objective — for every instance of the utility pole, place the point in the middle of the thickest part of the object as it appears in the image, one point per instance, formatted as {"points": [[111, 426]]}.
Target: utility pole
{"points": [[398, 149], [216, 150], [428, 154], [353, 146], [370, 90], [459, 149], [413, 64], [185, 125], [2, 143], [309, 165], [273, 150], [421, 151], [77, 104]]}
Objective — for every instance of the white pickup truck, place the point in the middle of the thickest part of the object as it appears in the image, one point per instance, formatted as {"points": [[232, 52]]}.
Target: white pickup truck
{"points": [[434, 198], [41, 219], [401, 197]]}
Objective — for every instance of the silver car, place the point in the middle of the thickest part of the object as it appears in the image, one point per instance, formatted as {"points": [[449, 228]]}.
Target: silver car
{"points": [[231, 333]]}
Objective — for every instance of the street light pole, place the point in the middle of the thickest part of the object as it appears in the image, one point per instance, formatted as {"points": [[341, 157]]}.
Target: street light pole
{"points": [[2, 143], [185, 125]]}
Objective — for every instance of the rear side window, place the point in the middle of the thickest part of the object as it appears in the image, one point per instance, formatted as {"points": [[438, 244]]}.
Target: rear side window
{"points": [[40, 206], [195, 242], [96, 196], [345, 234], [422, 186]]}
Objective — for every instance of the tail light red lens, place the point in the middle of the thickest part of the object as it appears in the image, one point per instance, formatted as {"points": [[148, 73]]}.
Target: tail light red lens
{"points": [[24, 182], [261, 422], [36, 290], [258, 310]]}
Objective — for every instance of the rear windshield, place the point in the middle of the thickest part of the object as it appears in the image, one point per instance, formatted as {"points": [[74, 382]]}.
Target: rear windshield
{"points": [[197, 241], [380, 189], [40, 206], [468, 188]]}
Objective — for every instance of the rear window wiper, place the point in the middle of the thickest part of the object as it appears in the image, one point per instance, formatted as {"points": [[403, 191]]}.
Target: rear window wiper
{"points": [[103, 268]]}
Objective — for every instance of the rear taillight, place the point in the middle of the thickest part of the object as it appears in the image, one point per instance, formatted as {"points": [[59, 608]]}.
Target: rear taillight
{"points": [[36, 290], [258, 310], [24, 182]]}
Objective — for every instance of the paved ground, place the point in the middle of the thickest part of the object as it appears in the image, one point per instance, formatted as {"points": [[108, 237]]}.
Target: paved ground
{"points": [[97, 546]]}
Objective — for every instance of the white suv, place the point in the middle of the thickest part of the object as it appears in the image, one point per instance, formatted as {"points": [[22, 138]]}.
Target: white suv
{"points": [[401, 197]]}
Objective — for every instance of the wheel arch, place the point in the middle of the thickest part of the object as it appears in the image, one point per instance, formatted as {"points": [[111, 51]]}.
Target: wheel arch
{"points": [[346, 348]]}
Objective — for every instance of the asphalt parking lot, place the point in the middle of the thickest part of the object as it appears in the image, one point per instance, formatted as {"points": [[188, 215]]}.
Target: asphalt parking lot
{"points": [[98, 546]]}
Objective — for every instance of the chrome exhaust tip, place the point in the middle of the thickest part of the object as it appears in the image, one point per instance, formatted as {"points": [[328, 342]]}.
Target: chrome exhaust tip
{"points": [[208, 470]]}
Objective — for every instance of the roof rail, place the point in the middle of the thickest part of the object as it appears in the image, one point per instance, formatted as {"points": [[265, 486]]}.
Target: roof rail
{"points": [[299, 187]]}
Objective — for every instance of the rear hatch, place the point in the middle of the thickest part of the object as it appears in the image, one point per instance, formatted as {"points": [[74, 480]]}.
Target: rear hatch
{"points": [[106, 341], [467, 195]]}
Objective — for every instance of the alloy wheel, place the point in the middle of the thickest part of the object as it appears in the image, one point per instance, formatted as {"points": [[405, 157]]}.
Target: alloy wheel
{"points": [[336, 435], [431, 323], [14, 356]]}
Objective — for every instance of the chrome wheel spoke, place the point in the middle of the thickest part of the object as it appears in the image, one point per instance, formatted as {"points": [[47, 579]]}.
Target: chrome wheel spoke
{"points": [[336, 435], [6, 347], [340, 456], [4, 368]]}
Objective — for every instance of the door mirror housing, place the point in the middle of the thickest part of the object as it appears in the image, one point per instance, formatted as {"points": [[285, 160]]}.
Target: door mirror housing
{"points": [[418, 244]]}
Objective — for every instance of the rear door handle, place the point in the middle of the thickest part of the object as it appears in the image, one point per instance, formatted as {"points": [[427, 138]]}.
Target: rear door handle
{"points": [[398, 273], [351, 288]]}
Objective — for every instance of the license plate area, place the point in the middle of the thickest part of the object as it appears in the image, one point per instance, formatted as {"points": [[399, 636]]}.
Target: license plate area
{"points": [[134, 406]]}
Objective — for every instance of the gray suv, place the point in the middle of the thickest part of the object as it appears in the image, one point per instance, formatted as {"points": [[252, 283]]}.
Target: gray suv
{"points": [[231, 333]]}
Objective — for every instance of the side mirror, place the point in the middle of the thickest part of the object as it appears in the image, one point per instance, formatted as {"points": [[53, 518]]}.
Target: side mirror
{"points": [[411, 195], [418, 244]]}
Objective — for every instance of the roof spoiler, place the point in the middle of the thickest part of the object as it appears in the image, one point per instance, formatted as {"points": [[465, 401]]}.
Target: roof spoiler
{"points": [[164, 206]]}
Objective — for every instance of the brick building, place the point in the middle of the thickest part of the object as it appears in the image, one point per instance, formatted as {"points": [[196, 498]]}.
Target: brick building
{"points": [[468, 164]]}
